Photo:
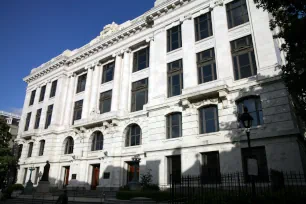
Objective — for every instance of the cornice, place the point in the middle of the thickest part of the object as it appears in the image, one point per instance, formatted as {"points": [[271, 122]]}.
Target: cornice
{"points": [[139, 24]]}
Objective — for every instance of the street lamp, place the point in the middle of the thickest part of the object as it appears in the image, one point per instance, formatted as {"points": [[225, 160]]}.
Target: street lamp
{"points": [[246, 120]]}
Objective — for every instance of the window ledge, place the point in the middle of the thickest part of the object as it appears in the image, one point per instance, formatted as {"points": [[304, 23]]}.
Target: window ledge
{"points": [[106, 83], [174, 51], [133, 147], [142, 70], [209, 134], [51, 98], [173, 139], [79, 93], [238, 27], [205, 40]]}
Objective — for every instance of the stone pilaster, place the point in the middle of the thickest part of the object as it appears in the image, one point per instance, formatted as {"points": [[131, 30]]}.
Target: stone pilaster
{"points": [[59, 101], [116, 82], [125, 83], [88, 90], [189, 62], [69, 102], [95, 87]]}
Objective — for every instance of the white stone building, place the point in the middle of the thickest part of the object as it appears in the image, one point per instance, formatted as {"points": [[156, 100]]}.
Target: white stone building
{"points": [[197, 63]]}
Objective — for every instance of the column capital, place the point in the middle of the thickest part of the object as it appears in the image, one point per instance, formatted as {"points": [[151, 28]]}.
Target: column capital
{"points": [[149, 39], [126, 50], [186, 17]]}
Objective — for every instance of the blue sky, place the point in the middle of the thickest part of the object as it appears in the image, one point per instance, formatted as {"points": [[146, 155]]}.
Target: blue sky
{"points": [[34, 31]]}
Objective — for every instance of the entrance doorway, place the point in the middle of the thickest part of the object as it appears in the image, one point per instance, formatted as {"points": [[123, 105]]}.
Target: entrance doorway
{"points": [[130, 172], [66, 175], [95, 176]]}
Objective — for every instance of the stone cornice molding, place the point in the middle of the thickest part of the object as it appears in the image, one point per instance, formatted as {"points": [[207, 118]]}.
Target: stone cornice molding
{"points": [[141, 23]]}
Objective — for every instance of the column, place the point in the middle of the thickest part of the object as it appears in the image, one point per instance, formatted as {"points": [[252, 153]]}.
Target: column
{"points": [[222, 44], [117, 81], [59, 100], [188, 44], [125, 83], [95, 87], [87, 93], [69, 102]]}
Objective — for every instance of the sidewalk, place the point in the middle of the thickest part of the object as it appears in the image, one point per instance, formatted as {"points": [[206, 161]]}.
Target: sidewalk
{"points": [[54, 198]]}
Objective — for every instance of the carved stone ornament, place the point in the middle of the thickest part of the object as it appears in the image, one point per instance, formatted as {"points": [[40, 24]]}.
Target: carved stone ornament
{"points": [[109, 30], [215, 3], [187, 104]]}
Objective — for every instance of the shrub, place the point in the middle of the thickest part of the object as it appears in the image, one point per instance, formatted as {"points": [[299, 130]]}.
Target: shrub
{"points": [[151, 187], [14, 187], [157, 196]]}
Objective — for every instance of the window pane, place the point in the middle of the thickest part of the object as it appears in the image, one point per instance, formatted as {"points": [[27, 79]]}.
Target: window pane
{"points": [[140, 100], [175, 131], [106, 106]]}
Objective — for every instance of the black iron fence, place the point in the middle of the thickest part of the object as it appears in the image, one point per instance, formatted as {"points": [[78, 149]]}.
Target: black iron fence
{"points": [[277, 187]]}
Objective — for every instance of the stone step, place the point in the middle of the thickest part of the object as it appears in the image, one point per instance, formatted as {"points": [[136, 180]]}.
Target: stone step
{"points": [[38, 201]]}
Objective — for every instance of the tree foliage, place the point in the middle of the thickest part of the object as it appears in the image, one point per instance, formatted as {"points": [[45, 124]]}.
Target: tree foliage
{"points": [[7, 159], [289, 25]]}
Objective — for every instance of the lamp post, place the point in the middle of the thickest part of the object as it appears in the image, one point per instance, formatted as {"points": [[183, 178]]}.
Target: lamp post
{"points": [[247, 120], [29, 186]]}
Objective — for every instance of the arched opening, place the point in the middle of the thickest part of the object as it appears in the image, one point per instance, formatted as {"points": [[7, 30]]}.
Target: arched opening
{"points": [[133, 135], [174, 125], [69, 144], [41, 148], [253, 104], [209, 121], [97, 141]]}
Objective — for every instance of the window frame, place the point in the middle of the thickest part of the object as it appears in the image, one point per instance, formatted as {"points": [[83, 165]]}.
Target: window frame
{"points": [[197, 26], [30, 149], [138, 87], [37, 118], [230, 16], [69, 145], [32, 98], [169, 125], [174, 177], [42, 93], [41, 147], [129, 136], [53, 89], [210, 178], [49, 116], [169, 38], [97, 141], [174, 72], [107, 67], [236, 52], [78, 107], [81, 85], [136, 60], [202, 62], [105, 96], [202, 125], [258, 108], [27, 122]]}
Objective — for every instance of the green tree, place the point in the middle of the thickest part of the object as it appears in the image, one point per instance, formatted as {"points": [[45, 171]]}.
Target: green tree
{"points": [[289, 25], [7, 160]]}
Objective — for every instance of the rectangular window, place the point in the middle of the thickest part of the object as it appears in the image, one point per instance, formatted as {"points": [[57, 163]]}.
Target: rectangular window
{"points": [[243, 58], [141, 59], [27, 122], [174, 168], [203, 26], [81, 83], [139, 94], [33, 93], [42, 93], [206, 64], [174, 125], [174, 38], [175, 78], [53, 89], [30, 149], [209, 119], [77, 113], [25, 175], [36, 175], [49, 116], [258, 153], [211, 167], [37, 119], [105, 101], [108, 72], [41, 148], [237, 13]]}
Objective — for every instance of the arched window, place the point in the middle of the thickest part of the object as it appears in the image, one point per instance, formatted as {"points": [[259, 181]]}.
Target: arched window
{"points": [[30, 149], [20, 150], [41, 148], [97, 141], [133, 135], [209, 119], [174, 125], [253, 104], [69, 145]]}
